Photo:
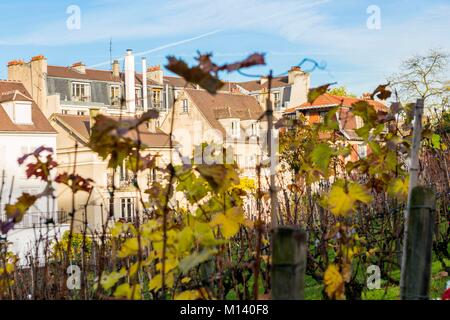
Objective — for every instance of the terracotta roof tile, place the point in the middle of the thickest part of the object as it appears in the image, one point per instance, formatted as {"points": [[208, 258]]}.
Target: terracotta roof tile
{"points": [[327, 100]]}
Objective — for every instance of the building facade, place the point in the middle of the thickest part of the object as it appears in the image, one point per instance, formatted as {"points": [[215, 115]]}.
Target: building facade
{"points": [[24, 128]]}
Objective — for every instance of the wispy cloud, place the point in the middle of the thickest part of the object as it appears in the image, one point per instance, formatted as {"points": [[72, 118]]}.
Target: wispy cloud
{"points": [[310, 26]]}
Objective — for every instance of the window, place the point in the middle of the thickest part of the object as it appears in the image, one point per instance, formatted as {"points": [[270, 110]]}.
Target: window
{"points": [[362, 151], [185, 106], [127, 208], [115, 95], [64, 111], [359, 122], [123, 172], [138, 97], [322, 116], [152, 176], [235, 128], [80, 113], [156, 98], [276, 100], [81, 91], [255, 129]]}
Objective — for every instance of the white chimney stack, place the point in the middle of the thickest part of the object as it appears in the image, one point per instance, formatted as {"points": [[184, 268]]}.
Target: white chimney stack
{"points": [[144, 84], [130, 86]]}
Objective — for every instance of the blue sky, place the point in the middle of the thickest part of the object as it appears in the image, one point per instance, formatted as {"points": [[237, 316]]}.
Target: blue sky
{"points": [[333, 31]]}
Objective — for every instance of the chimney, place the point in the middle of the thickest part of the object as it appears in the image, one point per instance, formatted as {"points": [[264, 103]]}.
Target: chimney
{"points": [[300, 82], [130, 86], [116, 69], [366, 96], [155, 74], [144, 84], [79, 67], [93, 112], [263, 80], [293, 73]]}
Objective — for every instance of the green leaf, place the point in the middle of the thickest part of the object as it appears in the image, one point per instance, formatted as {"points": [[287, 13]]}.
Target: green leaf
{"points": [[321, 156], [195, 259], [436, 141]]}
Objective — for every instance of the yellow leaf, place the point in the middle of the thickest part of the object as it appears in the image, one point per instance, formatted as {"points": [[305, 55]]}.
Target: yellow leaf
{"points": [[109, 280], [230, 221], [155, 283], [342, 202], [399, 188], [188, 295], [129, 292], [170, 264], [129, 247], [185, 280], [185, 239], [334, 283]]}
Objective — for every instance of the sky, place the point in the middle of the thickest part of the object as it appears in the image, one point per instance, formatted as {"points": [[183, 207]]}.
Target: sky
{"points": [[360, 42]]}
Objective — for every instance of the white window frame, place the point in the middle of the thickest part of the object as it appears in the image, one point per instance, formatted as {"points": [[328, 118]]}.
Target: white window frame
{"points": [[255, 129], [86, 91], [127, 208], [235, 128], [115, 95], [185, 106]]}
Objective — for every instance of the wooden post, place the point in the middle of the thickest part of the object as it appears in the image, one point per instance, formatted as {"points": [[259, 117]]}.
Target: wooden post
{"points": [[413, 174], [416, 271], [288, 263]]}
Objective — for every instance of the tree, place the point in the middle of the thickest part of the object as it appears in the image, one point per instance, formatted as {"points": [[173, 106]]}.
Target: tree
{"points": [[424, 76], [341, 91]]}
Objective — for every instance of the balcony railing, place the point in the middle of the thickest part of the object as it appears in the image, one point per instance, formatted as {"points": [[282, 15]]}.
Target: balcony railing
{"points": [[120, 183], [40, 219]]}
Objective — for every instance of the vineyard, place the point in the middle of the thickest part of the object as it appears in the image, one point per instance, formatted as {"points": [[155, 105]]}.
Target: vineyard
{"points": [[324, 226]]}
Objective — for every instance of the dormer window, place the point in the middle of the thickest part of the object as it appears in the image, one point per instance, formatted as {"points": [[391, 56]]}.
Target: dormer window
{"points": [[81, 91], [115, 95], [19, 111], [235, 128]]}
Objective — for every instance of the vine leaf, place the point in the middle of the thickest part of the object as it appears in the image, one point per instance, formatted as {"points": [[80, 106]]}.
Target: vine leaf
{"points": [[128, 292], [194, 75], [230, 222], [321, 156], [381, 92], [342, 201], [334, 283], [17, 211], [195, 259], [75, 182], [314, 93]]}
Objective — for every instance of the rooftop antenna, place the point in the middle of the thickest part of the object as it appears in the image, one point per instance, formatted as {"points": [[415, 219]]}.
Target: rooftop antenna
{"points": [[110, 51]]}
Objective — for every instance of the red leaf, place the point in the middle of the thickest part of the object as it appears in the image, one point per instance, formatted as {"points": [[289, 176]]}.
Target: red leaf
{"points": [[75, 182]]}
